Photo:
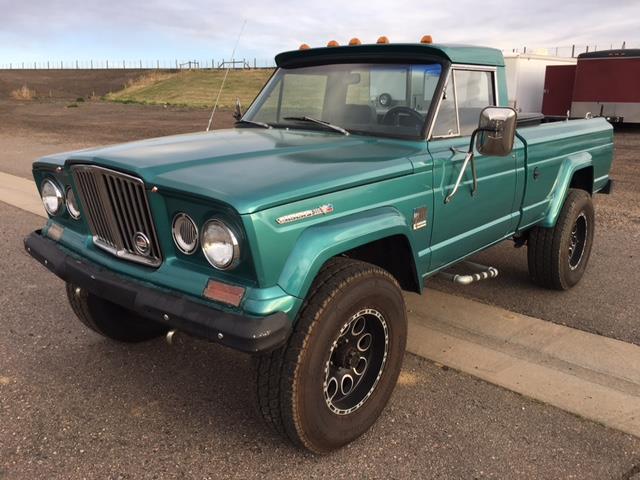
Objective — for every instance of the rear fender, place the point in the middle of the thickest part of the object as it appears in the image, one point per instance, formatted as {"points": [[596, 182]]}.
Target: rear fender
{"points": [[568, 168]]}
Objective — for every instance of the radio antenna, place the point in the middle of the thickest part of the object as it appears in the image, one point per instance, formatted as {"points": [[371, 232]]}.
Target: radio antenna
{"points": [[224, 79]]}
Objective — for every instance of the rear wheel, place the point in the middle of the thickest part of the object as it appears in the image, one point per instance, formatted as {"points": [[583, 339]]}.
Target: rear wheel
{"points": [[558, 256], [111, 320], [332, 380]]}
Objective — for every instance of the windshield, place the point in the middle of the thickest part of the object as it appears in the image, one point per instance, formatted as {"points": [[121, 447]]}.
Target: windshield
{"points": [[377, 99]]}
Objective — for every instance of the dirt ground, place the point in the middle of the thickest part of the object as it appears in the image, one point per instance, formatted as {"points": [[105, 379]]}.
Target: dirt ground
{"points": [[66, 84], [73, 405]]}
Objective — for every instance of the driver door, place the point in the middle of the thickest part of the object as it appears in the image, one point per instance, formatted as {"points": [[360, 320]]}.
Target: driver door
{"points": [[468, 222]]}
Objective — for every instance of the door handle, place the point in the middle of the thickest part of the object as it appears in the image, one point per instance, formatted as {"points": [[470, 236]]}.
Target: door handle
{"points": [[536, 173]]}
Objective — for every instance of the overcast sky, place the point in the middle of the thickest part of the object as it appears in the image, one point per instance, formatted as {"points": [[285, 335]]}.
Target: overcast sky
{"points": [[41, 30]]}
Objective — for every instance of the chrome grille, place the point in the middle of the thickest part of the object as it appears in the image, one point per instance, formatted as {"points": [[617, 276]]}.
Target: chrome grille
{"points": [[118, 213]]}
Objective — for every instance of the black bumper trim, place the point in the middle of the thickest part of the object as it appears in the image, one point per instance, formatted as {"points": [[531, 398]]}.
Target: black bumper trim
{"points": [[240, 332]]}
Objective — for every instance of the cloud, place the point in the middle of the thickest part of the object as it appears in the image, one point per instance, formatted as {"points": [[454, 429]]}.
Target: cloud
{"points": [[192, 28]]}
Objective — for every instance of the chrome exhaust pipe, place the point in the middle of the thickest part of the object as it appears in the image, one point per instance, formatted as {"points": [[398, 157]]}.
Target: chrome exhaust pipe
{"points": [[483, 273], [170, 337]]}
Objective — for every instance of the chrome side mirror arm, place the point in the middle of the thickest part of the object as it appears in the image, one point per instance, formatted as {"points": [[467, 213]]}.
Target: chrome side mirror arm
{"points": [[467, 159], [470, 158]]}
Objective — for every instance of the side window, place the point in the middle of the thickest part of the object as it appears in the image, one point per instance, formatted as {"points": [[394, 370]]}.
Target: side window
{"points": [[446, 122], [474, 92]]}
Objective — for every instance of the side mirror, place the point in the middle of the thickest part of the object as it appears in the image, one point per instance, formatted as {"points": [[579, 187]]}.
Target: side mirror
{"points": [[496, 131], [237, 112], [494, 136]]}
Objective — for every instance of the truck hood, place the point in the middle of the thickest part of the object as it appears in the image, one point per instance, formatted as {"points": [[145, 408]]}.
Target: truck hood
{"points": [[252, 169]]}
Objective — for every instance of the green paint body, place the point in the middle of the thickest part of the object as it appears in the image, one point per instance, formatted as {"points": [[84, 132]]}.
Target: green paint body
{"points": [[251, 177]]}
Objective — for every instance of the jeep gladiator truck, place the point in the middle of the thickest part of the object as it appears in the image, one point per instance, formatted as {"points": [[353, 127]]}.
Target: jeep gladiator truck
{"points": [[358, 172]]}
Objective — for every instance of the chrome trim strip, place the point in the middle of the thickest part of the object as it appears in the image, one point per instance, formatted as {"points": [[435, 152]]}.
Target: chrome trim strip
{"points": [[451, 75]]}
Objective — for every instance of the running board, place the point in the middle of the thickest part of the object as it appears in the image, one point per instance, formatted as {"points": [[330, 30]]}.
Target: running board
{"points": [[482, 272]]}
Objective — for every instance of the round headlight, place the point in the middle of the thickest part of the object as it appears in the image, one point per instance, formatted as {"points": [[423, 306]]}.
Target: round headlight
{"points": [[185, 233], [72, 204], [220, 245], [52, 197]]}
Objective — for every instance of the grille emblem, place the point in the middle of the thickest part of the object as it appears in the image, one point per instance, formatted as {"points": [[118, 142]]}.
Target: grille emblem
{"points": [[141, 243]]}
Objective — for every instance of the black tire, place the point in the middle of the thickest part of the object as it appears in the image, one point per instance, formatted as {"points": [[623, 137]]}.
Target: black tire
{"points": [[293, 396], [111, 320], [558, 256]]}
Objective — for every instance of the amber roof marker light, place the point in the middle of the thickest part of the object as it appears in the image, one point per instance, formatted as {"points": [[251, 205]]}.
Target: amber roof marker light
{"points": [[332, 43], [354, 41], [382, 40], [304, 46], [426, 39]]}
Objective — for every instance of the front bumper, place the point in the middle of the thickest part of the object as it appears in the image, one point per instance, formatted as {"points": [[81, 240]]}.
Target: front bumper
{"points": [[241, 332]]}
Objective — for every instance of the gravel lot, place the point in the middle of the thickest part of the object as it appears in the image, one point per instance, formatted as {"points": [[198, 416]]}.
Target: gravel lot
{"points": [[73, 405]]}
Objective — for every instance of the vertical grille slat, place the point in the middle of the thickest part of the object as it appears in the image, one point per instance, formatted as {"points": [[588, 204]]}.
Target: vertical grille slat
{"points": [[118, 213]]}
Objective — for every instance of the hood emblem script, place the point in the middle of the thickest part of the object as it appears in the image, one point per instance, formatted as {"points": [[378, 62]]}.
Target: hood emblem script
{"points": [[141, 243], [314, 212]]}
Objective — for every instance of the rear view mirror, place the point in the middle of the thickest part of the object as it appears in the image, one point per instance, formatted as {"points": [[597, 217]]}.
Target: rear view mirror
{"points": [[237, 112], [496, 131]]}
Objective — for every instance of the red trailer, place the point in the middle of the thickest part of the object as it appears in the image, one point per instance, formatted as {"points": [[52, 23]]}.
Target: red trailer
{"points": [[607, 83], [558, 90]]}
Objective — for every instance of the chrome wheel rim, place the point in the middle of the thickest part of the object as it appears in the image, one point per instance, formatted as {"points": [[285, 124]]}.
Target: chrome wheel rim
{"points": [[356, 361], [578, 241]]}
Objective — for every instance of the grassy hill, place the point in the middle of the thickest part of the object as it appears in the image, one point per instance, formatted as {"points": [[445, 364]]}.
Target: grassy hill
{"points": [[193, 88]]}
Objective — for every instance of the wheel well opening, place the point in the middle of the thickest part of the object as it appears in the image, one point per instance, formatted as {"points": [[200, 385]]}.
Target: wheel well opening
{"points": [[583, 179], [394, 255]]}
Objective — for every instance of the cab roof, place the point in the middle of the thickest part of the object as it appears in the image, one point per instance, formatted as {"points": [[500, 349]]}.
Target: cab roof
{"points": [[392, 52]]}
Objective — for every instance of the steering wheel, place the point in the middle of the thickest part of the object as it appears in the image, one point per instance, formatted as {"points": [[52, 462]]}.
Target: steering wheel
{"points": [[393, 115]]}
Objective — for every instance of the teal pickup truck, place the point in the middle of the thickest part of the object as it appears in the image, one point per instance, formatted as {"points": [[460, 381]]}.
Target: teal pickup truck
{"points": [[358, 172]]}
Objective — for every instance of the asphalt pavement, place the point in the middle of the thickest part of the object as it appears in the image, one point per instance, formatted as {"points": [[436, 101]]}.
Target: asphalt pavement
{"points": [[74, 405]]}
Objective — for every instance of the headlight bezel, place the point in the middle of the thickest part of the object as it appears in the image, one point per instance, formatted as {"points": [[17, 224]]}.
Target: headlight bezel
{"points": [[72, 206], [177, 234], [59, 195], [234, 242]]}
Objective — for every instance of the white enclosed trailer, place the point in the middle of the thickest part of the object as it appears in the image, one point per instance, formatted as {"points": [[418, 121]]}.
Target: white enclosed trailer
{"points": [[525, 78]]}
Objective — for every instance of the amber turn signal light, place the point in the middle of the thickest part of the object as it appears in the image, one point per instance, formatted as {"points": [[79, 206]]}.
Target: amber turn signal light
{"points": [[383, 40], [224, 293], [333, 43], [354, 41], [426, 39]]}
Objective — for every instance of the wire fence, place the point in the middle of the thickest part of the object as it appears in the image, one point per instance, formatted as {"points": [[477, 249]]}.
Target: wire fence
{"points": [[253, 63], [158, 64], [568, 50]]}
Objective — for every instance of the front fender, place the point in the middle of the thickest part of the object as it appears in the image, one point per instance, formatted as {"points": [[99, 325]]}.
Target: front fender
{"points": [[570, 165], [319, 243]]}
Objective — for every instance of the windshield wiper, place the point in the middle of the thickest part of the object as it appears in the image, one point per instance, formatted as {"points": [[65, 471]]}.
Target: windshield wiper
{"points": [[254, 123], [319, 122]]}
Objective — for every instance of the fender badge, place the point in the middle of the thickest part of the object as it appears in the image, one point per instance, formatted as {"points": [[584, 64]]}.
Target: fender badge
{"points": [[294, 217]]}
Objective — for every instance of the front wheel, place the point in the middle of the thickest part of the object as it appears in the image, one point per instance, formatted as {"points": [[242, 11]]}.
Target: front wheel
{"points": [[558, 256], [332, 380], [111, 320]]}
